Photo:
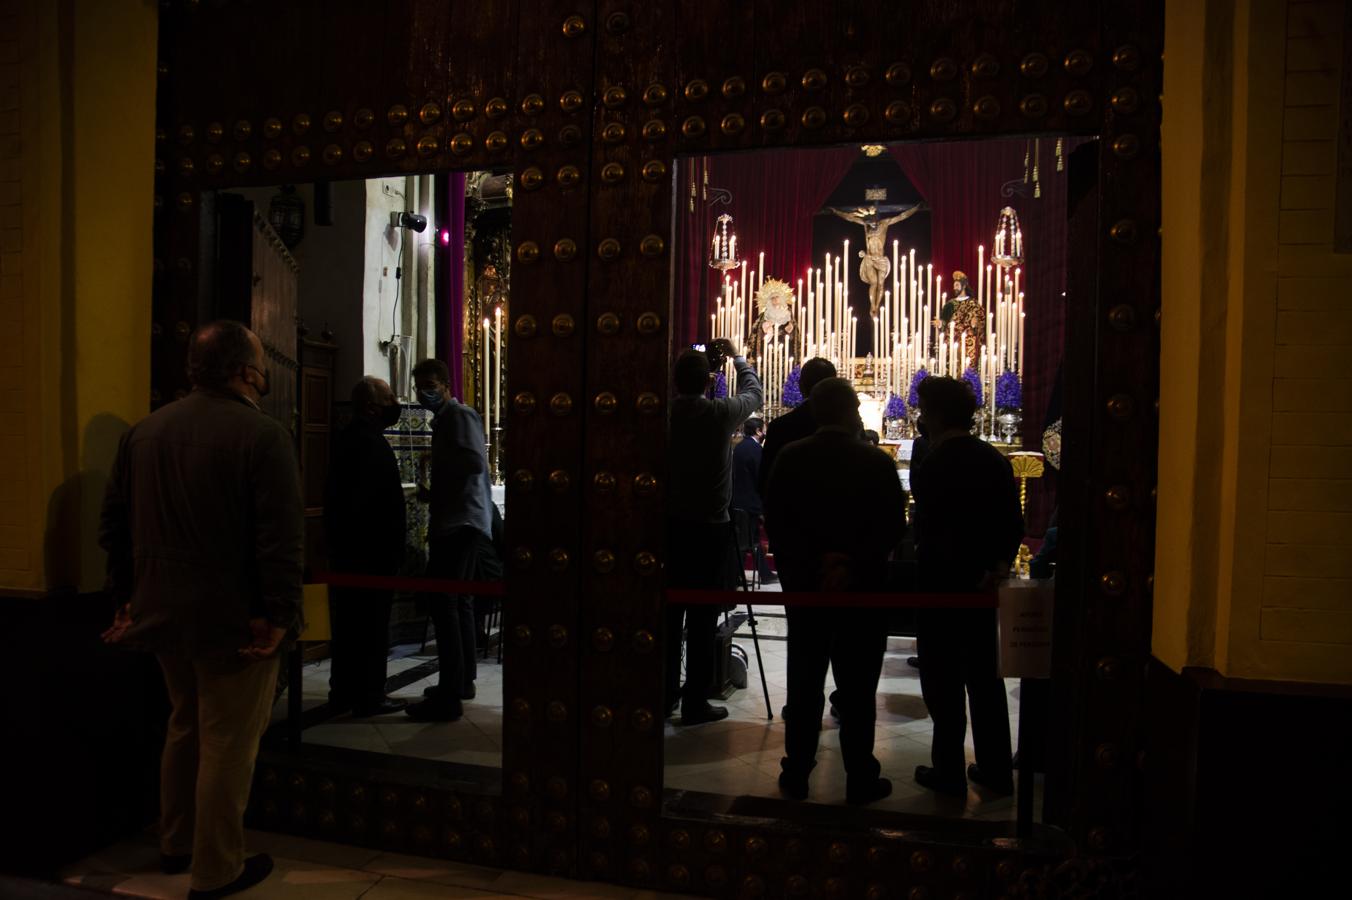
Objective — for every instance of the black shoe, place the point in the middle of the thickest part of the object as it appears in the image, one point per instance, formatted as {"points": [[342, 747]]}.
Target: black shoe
{"points": [[465, 694], [913, 662], [171, 864], [832, 700], [991, 783], [672, 706], [769, 579], [784, 712], [382, 707], [869, 793], [793, 786], [927, 777], [1014, 761], [256, 868], [434, 710], [702, 714]]}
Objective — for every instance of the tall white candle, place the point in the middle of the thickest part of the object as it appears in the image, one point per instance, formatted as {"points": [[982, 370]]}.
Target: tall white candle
{"points": [[497, 352], [487, 385]]}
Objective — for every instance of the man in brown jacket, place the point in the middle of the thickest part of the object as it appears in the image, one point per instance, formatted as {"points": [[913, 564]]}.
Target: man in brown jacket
{"points": [[203, 527]]}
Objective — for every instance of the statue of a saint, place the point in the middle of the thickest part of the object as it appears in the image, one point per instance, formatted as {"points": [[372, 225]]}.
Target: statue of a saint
{"points": [[968, 318], [874, 265]]}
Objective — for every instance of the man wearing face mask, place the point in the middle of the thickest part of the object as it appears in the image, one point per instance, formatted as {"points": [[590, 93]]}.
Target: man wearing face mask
{"points": [[364, 525], [460, 524], [202, 522]]}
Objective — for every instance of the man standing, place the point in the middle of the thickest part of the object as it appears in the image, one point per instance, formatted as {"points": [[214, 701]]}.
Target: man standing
{"points": [[364, 524], [746, 500], [797, 423], [459, 525], [202, 523], [835, 510], [699, 536], [968, 527]]}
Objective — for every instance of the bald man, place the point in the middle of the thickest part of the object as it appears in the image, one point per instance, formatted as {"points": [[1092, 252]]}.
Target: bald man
{"points": [[364, 524], [203, 524]]}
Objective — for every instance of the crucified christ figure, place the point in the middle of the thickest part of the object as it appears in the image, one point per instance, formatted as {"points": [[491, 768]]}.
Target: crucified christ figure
{"points": [[874, 265]]}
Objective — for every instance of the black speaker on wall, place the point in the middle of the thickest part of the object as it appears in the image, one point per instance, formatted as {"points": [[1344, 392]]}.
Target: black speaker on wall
{"points": [[323, 203]]}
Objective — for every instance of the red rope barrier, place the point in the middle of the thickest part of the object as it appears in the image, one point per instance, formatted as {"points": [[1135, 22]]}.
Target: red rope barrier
{"points": [[687, 597], [416, 585], [813, 598]]}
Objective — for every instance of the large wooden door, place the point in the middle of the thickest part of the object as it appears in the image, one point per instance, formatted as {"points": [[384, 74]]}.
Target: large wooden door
{"points": [[590, 103]]}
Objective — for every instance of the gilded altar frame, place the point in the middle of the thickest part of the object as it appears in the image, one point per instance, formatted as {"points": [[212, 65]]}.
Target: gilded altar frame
{"points": [[590, 104]]}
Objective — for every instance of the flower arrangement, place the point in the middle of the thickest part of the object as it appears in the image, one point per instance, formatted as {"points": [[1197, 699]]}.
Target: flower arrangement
{"points": [[974, 382], [792, 395], [913, 396], [895, 409], [720, 386], [1008, 392]]}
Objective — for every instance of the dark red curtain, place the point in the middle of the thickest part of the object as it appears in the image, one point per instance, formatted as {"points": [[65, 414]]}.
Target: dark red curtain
{"points": [[774, 196]]}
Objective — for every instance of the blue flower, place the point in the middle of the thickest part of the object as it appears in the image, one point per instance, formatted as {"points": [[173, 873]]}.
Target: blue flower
{"points": [[720, 386], [896, 408], [792, 395], [1008, 392], [913, 397], [974, 381]]}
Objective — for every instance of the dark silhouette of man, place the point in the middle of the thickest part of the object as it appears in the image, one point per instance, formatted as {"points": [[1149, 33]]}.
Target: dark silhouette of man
{"points": [[364, 525], [798, 422], [460, 524], [968, 527], [203, 522], [746, 500], [699, 531], [836, 511]]}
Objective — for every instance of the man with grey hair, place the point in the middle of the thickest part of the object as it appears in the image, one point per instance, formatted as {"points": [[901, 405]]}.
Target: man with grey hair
{"points": [[364, 526], [835, 509], [202, 522]]}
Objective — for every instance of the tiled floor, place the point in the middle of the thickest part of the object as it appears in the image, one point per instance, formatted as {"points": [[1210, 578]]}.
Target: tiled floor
{"points": [[475, 739], [313, 870], [737, 756], [740, 755]]}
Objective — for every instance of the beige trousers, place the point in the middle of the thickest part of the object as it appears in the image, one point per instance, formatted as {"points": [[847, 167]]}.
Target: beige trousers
{"points": [[221, 708]]}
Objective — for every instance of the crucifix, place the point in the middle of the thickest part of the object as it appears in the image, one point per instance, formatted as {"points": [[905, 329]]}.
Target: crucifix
{"points": [[874, 265]]}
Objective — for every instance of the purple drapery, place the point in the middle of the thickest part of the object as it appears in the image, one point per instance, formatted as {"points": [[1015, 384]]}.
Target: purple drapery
{"points": [[454, 318], [774, 196]]}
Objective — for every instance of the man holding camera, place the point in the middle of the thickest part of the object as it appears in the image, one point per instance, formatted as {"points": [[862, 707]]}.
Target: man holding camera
{"points": [[699, 532]]}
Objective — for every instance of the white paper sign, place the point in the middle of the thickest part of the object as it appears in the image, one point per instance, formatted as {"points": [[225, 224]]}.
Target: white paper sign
{"points": [[1026, 629]]}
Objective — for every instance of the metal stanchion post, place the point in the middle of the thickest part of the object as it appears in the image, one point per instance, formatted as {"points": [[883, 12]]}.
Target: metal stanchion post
{"points": [[1024, 811]]}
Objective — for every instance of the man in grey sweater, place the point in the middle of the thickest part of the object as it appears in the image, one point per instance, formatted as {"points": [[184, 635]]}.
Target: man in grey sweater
{"points": [[700, 542], [202, 522]]}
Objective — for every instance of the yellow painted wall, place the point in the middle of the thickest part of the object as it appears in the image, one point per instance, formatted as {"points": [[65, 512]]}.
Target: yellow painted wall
{"points": [[1254, 548], [77, 87]]}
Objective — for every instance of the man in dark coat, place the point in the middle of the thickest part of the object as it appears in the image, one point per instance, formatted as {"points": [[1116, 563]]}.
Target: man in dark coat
{"points": [[460, 524], [699, 530], [746, 500], [202, 522], [364, 524], [969, 524], [797, 423], [835, 509]]}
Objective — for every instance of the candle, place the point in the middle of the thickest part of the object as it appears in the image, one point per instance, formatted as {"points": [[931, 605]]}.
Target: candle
{"points": [[497, 352], [488, 405], [760, 271]]}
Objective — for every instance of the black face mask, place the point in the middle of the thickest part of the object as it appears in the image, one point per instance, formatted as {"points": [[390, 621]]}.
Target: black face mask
{"points": [[389, 414]]}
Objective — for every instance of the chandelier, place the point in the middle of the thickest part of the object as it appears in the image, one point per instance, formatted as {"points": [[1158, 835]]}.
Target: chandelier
{"points": [[723, 252], [1008, 251]]}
